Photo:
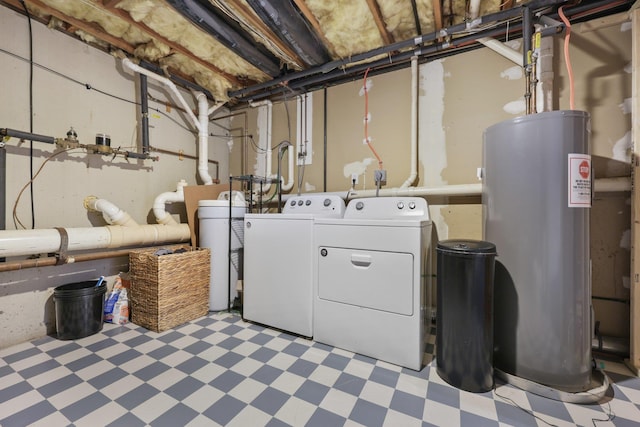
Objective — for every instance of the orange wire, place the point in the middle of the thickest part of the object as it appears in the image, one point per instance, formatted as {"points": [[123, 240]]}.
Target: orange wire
{"points": [[567, 60], [366, 119]]}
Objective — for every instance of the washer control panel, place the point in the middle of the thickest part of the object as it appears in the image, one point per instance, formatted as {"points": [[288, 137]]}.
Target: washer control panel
{"points": [[325, 205], [388, 208]]}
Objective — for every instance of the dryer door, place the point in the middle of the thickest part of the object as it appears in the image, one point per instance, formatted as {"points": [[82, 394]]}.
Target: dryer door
{"points": [[373, 279]]}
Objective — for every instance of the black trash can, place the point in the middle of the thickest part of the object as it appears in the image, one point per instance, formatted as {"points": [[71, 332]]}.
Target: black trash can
{"points": [[464, 317], [79, 309]]}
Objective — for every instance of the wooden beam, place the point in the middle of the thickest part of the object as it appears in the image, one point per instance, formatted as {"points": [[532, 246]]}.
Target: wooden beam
{"points": [[634, 345], [263, 29], [110, 3], [507, 4], [374, 7], [437, 15], [119, 13], [92, 29], [315, 24]]}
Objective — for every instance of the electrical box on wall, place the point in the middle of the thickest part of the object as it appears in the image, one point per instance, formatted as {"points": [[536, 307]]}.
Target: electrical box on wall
{"points": [[304, 129]]}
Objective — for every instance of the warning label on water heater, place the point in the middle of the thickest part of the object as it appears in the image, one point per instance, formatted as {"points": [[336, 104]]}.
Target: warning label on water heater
{"points": [[579, 180]]}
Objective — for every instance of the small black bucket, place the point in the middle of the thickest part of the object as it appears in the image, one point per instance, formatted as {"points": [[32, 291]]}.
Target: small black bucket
{"points": [[79, 309]]}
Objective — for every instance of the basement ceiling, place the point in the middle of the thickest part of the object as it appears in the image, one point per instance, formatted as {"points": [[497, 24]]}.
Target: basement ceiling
{"points": [[241, 50]]}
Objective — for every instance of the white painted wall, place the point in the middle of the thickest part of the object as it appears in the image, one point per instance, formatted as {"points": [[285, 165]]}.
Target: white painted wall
{"points": [[59, 190]]}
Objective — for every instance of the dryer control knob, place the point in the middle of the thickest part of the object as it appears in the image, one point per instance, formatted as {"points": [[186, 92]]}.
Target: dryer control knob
{"points": [[293, 203], [412, 205], [300, 202], [400, 205], [308, 202], [359, 206], [327, 202]]}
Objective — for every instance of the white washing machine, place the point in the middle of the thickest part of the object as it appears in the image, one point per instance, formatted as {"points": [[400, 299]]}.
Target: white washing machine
{"points": [[370, 279], [278, 262]]}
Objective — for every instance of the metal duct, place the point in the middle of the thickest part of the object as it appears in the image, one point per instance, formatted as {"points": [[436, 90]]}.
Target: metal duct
{"points": [[229, 33], [283, 19]]}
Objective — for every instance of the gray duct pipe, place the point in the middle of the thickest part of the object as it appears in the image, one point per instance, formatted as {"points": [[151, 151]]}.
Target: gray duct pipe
{"points": [[230, 34], [144, 108], [27, 136], [285, 21]]}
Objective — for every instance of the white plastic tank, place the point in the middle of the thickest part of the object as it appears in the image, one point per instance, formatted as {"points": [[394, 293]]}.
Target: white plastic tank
{"points": [[214, 234]]}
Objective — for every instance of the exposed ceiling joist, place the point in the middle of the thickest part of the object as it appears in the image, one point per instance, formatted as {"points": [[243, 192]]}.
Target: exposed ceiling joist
{"points": [[175, 46], [309, 16], [87, 27], [437, 15], [374, 7]]}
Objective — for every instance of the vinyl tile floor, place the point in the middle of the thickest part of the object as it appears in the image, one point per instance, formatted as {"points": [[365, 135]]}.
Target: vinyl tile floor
{"points": [[220, 370]]}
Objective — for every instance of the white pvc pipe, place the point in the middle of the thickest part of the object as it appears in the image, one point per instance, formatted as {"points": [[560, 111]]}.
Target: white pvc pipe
{"points": [[112, 214], [474, 9], [289, 185], [159, 204], [203, 138], [134, 67], [414, 124], [504, 50], [269, 122], [612, 185], [30, 242], [601, 185]]}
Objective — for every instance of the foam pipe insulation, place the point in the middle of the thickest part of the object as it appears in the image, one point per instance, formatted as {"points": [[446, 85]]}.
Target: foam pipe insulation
{"points": [[285, 21], [203, 14]]}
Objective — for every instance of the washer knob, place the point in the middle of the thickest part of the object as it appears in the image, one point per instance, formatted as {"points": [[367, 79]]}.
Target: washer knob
{"points": [[300, 202], [327, 202], [359, 206], [400, 205], [308, 202], [293, 203], [412, 205]]}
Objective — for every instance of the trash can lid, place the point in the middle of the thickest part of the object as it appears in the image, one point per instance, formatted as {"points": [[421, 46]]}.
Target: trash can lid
{"points": [[467, 246]]}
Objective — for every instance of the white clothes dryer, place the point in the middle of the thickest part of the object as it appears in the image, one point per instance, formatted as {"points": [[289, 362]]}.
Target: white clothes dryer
{"points": [[278, 262], [370, 279]]}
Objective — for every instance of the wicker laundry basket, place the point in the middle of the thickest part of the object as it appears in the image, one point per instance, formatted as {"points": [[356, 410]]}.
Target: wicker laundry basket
{"points": [[168, 290]]}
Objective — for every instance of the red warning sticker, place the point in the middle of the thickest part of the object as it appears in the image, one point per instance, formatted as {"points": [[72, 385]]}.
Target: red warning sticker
{"points": [[579, 180]]}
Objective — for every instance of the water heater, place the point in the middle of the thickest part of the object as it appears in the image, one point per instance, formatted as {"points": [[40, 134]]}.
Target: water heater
{"points": [[537, 191]]}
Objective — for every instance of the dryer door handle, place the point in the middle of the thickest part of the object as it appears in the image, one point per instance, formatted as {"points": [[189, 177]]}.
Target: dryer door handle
{"points": [[360, 260]]}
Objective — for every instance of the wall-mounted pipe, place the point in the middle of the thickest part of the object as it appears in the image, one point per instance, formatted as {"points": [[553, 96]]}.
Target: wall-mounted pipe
{"points": [[201, 122], [159, 204], [267, 108], [414, 124], [168, 83], [394, 47], [601, 185], [144, 109], [112, 214], [504, 50], [39, 241], [27, 136]]}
